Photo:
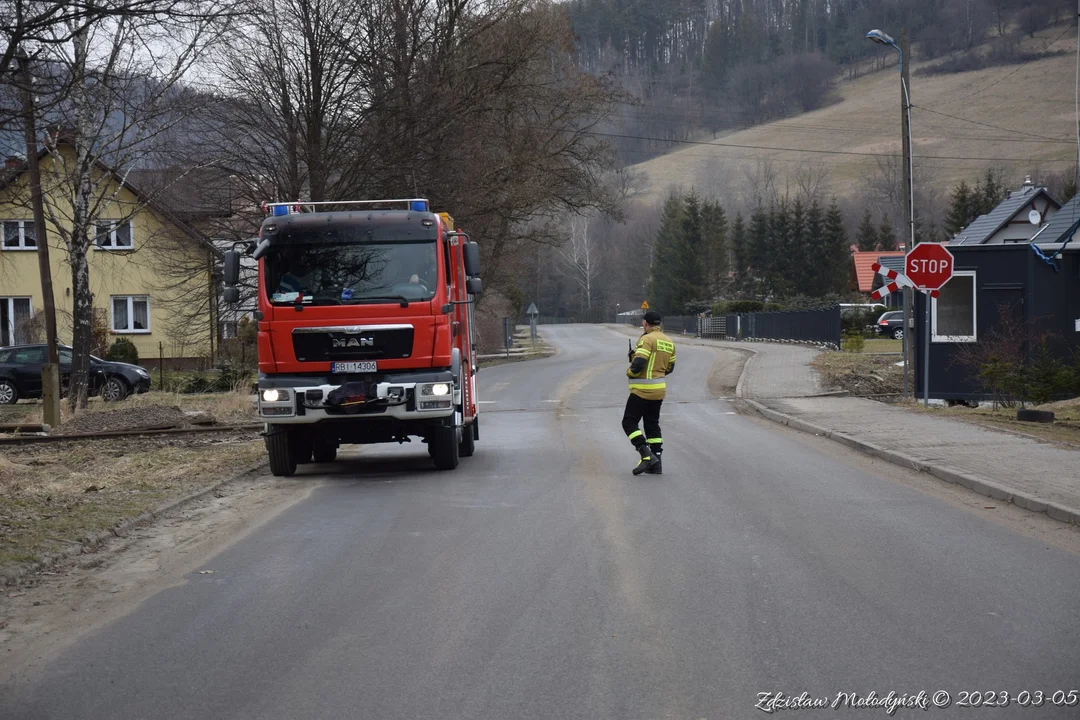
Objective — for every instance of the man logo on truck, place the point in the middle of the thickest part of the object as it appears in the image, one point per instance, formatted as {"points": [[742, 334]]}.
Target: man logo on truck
{"points": [[354, 342]]}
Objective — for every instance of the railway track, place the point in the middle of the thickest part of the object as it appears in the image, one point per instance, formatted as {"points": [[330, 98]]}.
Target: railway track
{"points": [[25, 439]]}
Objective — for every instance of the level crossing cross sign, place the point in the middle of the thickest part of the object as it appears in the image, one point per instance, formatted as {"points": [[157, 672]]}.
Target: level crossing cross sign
{"points": [[928, 266]]}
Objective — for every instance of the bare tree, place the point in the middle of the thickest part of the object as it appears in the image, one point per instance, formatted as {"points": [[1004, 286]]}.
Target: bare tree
{"points": [[477, 105], [582, 258], [120, 93], [762, 181], [812, 181]]}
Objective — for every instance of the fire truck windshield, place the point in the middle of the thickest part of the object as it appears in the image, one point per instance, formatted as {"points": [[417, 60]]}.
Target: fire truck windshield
{"points": [[344, 273]]}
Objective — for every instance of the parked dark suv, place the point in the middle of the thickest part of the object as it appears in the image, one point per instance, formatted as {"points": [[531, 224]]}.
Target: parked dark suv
{"points": [[20, 374], [891, 324]]}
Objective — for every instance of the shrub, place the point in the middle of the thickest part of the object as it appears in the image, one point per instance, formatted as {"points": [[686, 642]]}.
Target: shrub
{"points": [[123, 350], [853, 342], [745, 306], [1048, 378]]}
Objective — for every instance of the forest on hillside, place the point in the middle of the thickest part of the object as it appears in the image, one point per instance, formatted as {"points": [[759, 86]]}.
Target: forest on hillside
{"points": [[700, 66]]}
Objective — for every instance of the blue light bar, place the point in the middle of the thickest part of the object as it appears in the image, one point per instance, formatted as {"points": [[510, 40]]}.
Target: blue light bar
{"points": [[418, 206]]}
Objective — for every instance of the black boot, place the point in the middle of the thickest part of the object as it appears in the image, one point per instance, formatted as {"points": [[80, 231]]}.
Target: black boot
{"points": [[648, 460], [658, 468]]}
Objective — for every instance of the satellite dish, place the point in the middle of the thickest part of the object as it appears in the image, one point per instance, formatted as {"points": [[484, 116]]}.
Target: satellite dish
{"points": [[1034, 217]]}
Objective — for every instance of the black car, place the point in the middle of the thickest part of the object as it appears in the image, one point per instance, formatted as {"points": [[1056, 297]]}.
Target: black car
{"points": [[891, 324], [20, 374]]}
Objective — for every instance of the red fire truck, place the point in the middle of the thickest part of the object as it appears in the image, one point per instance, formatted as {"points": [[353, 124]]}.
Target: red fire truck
{"points": [[366, 329]]}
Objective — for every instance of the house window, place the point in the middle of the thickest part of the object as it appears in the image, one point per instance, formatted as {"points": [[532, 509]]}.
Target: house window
{"points": [[19, 235], [229, 329], [954, 311], [130, 314], [110, 235], [15, 315]]}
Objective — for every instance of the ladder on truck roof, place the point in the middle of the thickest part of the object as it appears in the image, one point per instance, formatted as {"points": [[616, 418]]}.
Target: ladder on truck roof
{"points": [[284, 208]]}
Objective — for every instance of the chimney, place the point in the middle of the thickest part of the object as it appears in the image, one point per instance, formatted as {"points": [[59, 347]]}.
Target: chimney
{"points": [[1027, 181]]}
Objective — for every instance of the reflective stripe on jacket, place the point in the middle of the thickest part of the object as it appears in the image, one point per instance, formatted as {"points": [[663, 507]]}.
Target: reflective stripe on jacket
{"points": [[654, 359]]}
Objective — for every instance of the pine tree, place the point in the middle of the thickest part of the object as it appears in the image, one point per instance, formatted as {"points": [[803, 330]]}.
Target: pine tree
{"points": [[836, 266], [867, 235], [993, 193], [777, 280], [663, 270], [714, 232], [960, 209], [739, 253], [797, 253], [691, 255], [887, 235], [816, 277], [758, 242]]}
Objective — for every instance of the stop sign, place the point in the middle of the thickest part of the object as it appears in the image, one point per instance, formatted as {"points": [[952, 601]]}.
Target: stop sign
{"points": [[928, 266]]}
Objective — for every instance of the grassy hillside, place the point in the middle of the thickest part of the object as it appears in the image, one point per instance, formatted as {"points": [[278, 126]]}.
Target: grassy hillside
{"points": [[1034, 102]]}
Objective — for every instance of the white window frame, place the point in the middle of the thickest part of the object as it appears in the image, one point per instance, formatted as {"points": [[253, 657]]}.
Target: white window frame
{"points": [[9, 300], [113, 224], [22, 246], [130, 314], [934, 337]]}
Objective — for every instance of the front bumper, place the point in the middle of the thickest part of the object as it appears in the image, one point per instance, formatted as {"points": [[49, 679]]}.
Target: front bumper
{"points": [[302, 399]]}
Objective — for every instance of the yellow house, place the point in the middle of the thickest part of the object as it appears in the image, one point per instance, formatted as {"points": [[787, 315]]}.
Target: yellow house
{"points": [[151, 274]]}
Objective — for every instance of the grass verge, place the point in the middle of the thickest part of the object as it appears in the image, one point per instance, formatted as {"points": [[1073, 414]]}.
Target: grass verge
{"points": [[883, 345], [52, 495], [1064, 430], [229, 408], [860, 374]]}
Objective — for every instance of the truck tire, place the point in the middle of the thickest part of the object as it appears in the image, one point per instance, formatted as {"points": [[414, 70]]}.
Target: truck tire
{"points": [[468, 442], [1039, 416], [445, 447], [280, 447]]}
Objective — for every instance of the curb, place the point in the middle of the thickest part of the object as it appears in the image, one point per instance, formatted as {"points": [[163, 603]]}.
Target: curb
{"points": [[982, 486], [94, 541]]}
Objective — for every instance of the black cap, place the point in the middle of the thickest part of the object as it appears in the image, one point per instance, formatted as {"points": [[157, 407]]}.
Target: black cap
{"points": [[652, 317]]}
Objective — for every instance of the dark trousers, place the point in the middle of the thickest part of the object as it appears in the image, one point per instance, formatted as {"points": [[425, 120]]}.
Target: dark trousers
{"points": [[637, 410]]}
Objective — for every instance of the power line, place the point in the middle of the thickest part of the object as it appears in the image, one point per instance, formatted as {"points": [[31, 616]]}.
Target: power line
{"points": [[1016, 70], [805, 150], [995, 127], [798, 127]]}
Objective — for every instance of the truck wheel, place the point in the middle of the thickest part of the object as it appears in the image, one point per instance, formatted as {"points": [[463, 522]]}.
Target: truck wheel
{"points": [[468, 442], [1039, 416], [280, 448], [445, 452]]}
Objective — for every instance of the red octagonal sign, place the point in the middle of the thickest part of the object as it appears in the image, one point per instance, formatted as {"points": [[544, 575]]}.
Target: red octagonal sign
{"points": [[928, 265]]}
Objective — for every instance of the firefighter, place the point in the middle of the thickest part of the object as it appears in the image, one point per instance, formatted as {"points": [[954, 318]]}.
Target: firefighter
{"points": [[650, 363]]}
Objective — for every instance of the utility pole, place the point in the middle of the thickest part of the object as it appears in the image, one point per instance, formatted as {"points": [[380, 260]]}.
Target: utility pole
{"points": [[909, 196], [50, 372]]}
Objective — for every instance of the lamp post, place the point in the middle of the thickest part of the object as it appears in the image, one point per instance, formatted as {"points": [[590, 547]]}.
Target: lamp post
{"points": [[905, 117]]}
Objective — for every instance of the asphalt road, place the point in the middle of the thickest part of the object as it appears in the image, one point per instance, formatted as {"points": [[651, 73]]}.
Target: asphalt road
{"points": [[542, 580]]}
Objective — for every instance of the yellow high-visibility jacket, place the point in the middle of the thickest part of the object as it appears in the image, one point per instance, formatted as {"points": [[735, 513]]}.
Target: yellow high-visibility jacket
{"points": [[653, 361]]}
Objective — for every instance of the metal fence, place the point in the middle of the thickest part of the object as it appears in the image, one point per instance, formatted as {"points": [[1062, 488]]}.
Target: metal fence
{"points": [[820, 326]]}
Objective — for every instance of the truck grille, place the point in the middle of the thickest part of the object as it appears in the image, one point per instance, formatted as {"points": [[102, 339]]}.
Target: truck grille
{"points": [[355, 342]]}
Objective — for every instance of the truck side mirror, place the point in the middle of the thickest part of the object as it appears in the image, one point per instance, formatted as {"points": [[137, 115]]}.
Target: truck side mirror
{"points": [[232, 267], [474, 286], [232, 295], [472, 259]]}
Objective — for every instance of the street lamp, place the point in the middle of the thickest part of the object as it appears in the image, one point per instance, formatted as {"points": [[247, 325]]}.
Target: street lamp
{"points": [[882, 38]]}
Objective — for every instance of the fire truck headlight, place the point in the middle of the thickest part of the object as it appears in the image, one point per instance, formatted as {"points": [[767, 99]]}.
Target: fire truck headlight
{"points": [[440, 389], [270, 395]]}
